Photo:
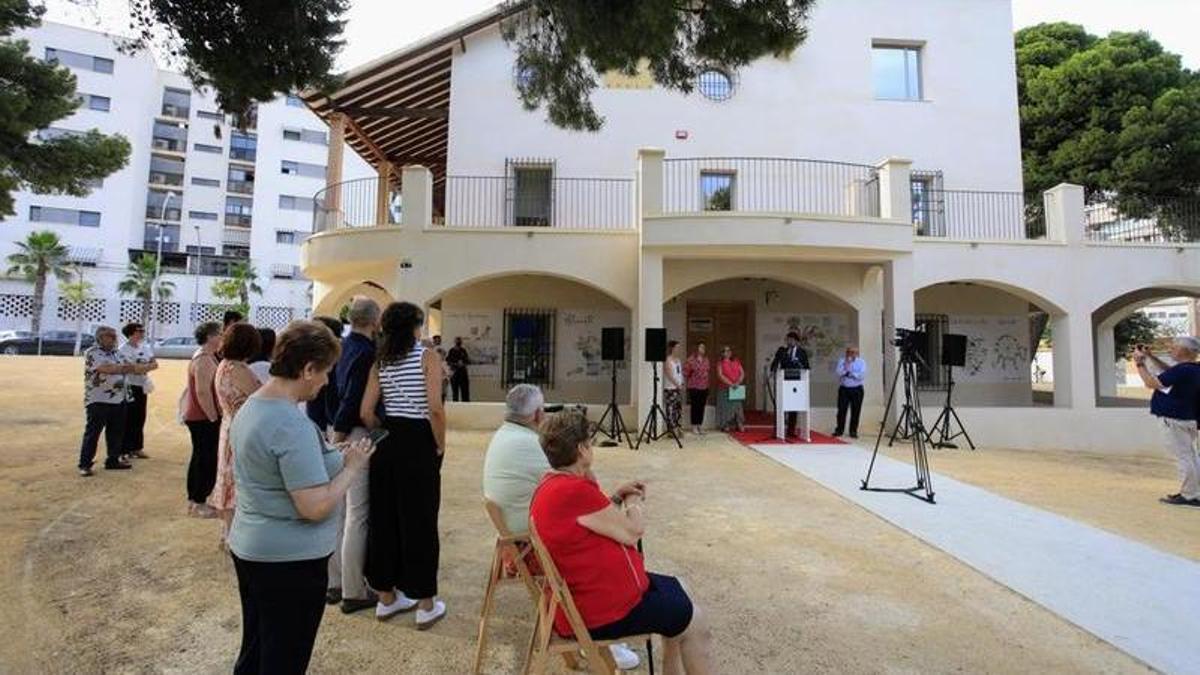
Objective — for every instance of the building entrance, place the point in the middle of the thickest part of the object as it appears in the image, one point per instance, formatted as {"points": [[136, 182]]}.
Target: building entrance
{"points": [[725, 323]]}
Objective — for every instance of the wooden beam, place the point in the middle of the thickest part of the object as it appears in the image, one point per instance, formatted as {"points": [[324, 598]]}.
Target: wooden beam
{"points": [[380, 155], [401, 112]]}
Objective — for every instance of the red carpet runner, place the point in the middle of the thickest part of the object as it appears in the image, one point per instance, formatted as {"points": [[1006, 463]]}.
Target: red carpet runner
{"points": [[760, 430]]}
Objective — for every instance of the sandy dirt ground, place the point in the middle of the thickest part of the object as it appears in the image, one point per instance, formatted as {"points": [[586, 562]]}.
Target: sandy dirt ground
{"points": [[107, 574], [1116, 493]]}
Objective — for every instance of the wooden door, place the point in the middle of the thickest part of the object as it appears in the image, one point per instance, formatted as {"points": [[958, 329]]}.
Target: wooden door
{"points": [[724, 323]]}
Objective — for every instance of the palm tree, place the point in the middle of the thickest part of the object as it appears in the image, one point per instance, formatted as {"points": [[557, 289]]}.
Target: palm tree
{"points": [[242, 281], [38, 257], [140, 282], [77, 293]]}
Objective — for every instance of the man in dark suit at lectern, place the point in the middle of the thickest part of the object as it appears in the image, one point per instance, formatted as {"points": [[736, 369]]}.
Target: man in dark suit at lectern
{"points": [[790, 357]]}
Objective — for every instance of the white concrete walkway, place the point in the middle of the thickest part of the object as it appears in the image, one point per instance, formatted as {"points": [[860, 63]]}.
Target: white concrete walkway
{"points": [[1142, 600]]}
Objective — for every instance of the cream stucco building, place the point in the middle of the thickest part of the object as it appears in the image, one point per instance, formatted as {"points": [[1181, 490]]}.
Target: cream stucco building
{"points": [[870, 180]]}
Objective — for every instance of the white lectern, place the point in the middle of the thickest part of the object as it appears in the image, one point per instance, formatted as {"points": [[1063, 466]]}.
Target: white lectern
{"points": [[792, 395]]}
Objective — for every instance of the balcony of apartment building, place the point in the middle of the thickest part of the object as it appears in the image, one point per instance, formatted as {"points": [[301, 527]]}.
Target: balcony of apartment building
{"points": [[169, 139], [176, 104], [163, 205], [240, 180], [166, 173], [238, 211], [243, 146]]}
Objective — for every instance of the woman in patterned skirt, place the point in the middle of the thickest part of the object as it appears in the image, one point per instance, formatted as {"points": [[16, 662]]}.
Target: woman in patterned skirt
{"points": [[235, 383]]}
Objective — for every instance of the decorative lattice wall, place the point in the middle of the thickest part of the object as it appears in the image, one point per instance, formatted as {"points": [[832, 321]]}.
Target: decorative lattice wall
{"points": [[92, 310], [272, 317], [202, 312], [12, 304], [168, 312]]}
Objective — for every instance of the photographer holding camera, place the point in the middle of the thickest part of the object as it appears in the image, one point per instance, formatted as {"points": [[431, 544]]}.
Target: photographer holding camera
{"points": [[1176, 402]]}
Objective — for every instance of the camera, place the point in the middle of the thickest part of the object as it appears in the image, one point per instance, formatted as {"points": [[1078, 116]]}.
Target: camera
{"points": [[911, 344]]}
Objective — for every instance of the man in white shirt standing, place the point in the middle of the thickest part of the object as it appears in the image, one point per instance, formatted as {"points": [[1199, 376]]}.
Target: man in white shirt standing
{"points": [[137, 351], [851, 369], [513, 467]]}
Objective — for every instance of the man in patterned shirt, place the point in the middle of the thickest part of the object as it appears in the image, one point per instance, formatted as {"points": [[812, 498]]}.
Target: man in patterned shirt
{"points": [[104, 395]]}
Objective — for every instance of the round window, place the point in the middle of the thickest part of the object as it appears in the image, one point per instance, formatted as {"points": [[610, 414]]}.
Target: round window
{"points": [[715, 85]]}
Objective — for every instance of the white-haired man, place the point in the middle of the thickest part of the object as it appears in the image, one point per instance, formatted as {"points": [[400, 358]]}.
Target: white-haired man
{"points": [[515, 464], [1176, 402]]}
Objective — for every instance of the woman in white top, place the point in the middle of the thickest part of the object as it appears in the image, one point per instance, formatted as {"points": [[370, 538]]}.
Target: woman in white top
{"points": [[136, 350], [405, 475], [260, 365], [673, 385]]}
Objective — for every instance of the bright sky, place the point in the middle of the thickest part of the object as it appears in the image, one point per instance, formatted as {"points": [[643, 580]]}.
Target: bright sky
{"points": [[376, 27]]}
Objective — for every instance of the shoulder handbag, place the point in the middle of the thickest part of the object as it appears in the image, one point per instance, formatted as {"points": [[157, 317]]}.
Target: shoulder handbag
{"points": [[737, 393]]}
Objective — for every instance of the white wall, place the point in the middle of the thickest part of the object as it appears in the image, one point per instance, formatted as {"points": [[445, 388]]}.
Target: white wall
{"points": [[819, 104]]}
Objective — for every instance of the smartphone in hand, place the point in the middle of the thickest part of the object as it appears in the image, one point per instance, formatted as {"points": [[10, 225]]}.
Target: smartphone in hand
{"points": [[377, 436]]}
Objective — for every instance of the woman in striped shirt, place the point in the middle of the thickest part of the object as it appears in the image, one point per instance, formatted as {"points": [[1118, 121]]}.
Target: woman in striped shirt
{"points": [[405, 386]]}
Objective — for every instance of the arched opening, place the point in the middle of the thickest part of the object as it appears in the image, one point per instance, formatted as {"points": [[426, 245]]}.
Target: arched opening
{"points": [[752, 315], [534, 328], [1009, 357], [333, 303], [1151, 315]]}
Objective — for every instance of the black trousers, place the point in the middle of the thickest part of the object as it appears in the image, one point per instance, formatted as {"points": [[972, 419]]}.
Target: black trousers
{"points": [[202, 468], [405, 493], [697, 398], [460, 385], [852, 398], [282, 606], [135, 421], [102, 417]]}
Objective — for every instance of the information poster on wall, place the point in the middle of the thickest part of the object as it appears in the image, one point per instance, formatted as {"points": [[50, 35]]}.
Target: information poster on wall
{"points": [[824, 336], [997, 348], [578, 344], [482, 331]]}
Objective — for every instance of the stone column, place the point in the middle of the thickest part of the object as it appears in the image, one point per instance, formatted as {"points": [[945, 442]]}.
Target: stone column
{"points": [[895, 190], [1106, 362], [871, 343], [416, 196], [898, 308], [650, 181], [1074, 360], [649, 315], [1064, 213]]}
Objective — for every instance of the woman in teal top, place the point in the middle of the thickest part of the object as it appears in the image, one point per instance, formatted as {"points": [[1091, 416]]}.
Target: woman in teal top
{"points": [[290, 486]]}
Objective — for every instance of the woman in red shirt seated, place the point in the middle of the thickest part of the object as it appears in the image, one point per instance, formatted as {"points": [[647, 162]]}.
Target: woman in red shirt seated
{"points": [[592, 537]]}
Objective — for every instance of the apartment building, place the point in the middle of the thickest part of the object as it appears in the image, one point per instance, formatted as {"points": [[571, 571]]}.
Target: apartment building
{"points": [[201, 191], [869, 181]]}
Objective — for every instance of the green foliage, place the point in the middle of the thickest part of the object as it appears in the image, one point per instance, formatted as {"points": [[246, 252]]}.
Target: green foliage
{"points": [[38, 257], [1135, 329], [247, 51], [563, 44], [140, 278], [76, 292], [33, 95], [242, 281], [1115, 114]]}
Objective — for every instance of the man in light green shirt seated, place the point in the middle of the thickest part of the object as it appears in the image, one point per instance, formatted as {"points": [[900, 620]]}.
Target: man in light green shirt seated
{"points": [[515, 463]]}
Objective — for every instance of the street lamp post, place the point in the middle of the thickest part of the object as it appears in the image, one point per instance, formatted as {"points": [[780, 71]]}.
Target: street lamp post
{"points": [[199, 264], [154, 290]]}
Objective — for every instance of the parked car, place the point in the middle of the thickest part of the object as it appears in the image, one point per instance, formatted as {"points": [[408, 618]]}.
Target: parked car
{"points": [[175, 348], [60, 342], [12, 334]]}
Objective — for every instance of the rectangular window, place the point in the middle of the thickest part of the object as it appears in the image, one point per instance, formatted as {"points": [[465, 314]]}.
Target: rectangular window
{"points": [[235, 251], [243, 146], [295, 101], [285, 237], [54, 133], [200, 147], [46, 214], [210, 115], [241, 180], [166, 171], [528, 347], [291, 134], [306, 136], [295, 203], [238, 211], [896, 72], [202, 215], [176, 102], [532, 195], [78, 60], [155, 201], [302, 169], [206, 182], [716, 190], [101, 103], [169, 136]]}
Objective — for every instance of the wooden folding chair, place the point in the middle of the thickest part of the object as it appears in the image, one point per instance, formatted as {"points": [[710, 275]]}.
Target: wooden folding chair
{"points": [[507, 546], [546, 642]]}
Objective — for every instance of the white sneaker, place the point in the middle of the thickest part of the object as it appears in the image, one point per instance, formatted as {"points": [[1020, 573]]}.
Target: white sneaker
{"points": [[402, 604], [427, 617], [626, 658]]}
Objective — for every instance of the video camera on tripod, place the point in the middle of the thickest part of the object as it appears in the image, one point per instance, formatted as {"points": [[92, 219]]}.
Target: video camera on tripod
{"points": [[911, 343]]}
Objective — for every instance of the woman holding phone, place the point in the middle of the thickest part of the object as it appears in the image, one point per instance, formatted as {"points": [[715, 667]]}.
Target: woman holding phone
{"points": [[405, 479], [289, 489]]}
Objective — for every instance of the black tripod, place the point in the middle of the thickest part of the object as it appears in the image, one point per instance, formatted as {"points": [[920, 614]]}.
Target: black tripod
{"points": [[907, 422], [948, 416], [615, 423], [916, 429], [650, 431]]}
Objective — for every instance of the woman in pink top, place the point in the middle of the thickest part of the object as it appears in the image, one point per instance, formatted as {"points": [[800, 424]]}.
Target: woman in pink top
{"points": [[729, 374], [695, 373], [235, 383], [202, 415]]}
